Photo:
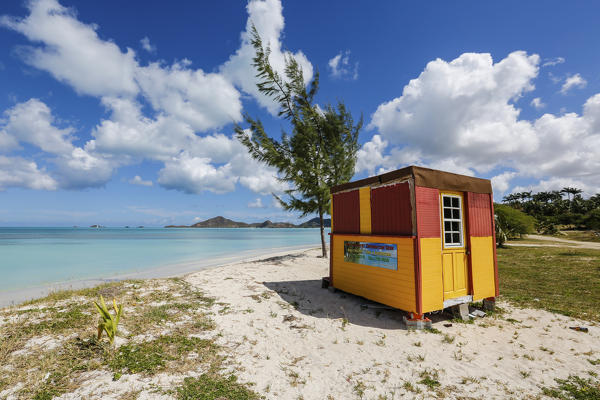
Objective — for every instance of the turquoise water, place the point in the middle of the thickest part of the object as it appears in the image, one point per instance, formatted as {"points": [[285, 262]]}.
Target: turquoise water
{"points": [[32, 257]]}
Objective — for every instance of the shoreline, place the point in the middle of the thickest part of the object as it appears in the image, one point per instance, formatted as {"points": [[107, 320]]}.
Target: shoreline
{"points": [[16, 297]]}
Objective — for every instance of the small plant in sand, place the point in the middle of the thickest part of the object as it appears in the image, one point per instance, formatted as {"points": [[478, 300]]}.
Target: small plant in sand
{"points": [[108, 322]]}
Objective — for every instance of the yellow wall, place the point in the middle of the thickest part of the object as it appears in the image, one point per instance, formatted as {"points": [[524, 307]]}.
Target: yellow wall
{"points": [[364, 196], [482, 266], [395, 288], [431, 274]]}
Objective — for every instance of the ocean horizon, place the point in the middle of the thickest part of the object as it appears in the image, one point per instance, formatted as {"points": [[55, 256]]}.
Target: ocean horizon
{"points": [[44, 257]]}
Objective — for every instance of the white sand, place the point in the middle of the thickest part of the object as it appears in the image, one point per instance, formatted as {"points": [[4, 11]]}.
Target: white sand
{"points": [[309, 352]]}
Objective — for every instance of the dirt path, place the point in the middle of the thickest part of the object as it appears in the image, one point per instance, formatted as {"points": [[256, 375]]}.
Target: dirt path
{"points": [[574, 243]]}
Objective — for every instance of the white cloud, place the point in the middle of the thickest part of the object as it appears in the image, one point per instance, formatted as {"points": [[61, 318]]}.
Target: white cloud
{"points": [[370, 155], [256, 203], [276, 204], [82, 169], [573, 81], [146, 45], [341, 67], [185, 102], [267, 16], [477, 128], [72, 51], [22, 173], [199, 171], [470, 98], [501, 182], [537, 103], [129, 132], [553, 61], [137, 180], [192, 174], [31, 122], [203, 101]]}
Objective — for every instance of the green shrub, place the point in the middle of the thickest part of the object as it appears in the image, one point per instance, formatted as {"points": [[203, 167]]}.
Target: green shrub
{"points": [[207, 387], [591, 220], [512, 223]]}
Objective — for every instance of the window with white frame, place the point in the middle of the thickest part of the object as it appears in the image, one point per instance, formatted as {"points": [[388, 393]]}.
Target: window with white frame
{"points": [[452, 219]]}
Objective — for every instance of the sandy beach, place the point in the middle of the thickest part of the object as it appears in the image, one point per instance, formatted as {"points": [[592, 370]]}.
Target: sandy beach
{"points": [[287, 338]]}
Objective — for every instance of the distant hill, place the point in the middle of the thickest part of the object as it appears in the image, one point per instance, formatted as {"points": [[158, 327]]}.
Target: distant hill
{"points": [[222, 222], [219, 222], [314, 223]]}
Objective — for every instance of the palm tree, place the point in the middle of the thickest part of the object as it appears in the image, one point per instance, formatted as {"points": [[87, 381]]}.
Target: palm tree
{"points": [[570, 191]]}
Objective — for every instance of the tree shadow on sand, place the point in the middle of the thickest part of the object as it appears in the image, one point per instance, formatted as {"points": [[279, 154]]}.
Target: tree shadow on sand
{"points": [[307, 297]]}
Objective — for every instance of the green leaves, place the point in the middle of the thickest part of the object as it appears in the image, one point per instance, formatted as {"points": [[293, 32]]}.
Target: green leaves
{"points": [[108, 322], [321, 150]]}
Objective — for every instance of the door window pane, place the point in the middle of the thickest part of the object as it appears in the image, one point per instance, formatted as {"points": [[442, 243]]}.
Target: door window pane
{"points": [[452, 221]]}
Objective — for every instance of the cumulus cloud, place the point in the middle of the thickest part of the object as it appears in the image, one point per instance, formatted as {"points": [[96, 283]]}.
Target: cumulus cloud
{"points": [[194, 175], [184, 104], [146, 45], [19, 172], [267, 17], [32, 122], [537, 103], [341, 67], [477, 126], [256, 203], [470, 98], [573, 81], [72, 51], [137, 180], [501, 182], [203, 101]]}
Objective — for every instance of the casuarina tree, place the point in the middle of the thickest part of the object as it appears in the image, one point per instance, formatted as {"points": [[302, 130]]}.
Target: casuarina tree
{"points": [[320, 149]]}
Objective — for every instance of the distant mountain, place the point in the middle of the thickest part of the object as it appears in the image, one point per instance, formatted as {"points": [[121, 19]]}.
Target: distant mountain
{"points": [[222, 222], [314, 223], [219, 222]]}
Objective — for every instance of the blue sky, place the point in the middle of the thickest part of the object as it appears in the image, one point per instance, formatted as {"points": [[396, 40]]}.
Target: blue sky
{"points": [[122, 113]]}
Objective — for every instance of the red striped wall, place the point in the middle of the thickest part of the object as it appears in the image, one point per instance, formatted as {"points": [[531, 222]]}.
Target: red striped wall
{"points": [[346, 212], [391, 210], [479, 214], [428, 212]]}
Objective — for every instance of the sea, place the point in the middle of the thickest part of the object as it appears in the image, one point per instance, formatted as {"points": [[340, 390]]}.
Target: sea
{"points": [[34, 261]]}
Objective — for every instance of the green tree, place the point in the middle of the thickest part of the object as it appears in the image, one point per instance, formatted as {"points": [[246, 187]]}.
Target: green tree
{"points": [[321, 150], [592, 219], [512, 223]]}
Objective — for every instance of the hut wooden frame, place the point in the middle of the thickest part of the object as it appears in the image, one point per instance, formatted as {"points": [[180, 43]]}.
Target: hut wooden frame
{"points": [[402, 211]]}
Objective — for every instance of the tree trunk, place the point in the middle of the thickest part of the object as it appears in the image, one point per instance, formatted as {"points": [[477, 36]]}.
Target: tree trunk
{"points": [[322, 233]]}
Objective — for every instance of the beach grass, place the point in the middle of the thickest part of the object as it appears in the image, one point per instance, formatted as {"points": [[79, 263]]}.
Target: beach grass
{"points": [[562, 280], [165, 328]]}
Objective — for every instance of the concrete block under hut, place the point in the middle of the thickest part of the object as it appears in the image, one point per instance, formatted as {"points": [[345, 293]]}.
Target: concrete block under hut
{"points": [[416, 239]]}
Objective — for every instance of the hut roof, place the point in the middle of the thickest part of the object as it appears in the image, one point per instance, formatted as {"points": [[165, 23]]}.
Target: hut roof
{"points": [[426, 177]]}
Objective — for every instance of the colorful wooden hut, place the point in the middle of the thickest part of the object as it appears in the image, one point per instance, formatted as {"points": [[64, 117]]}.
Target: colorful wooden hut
{"points": [[416, 239]]}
